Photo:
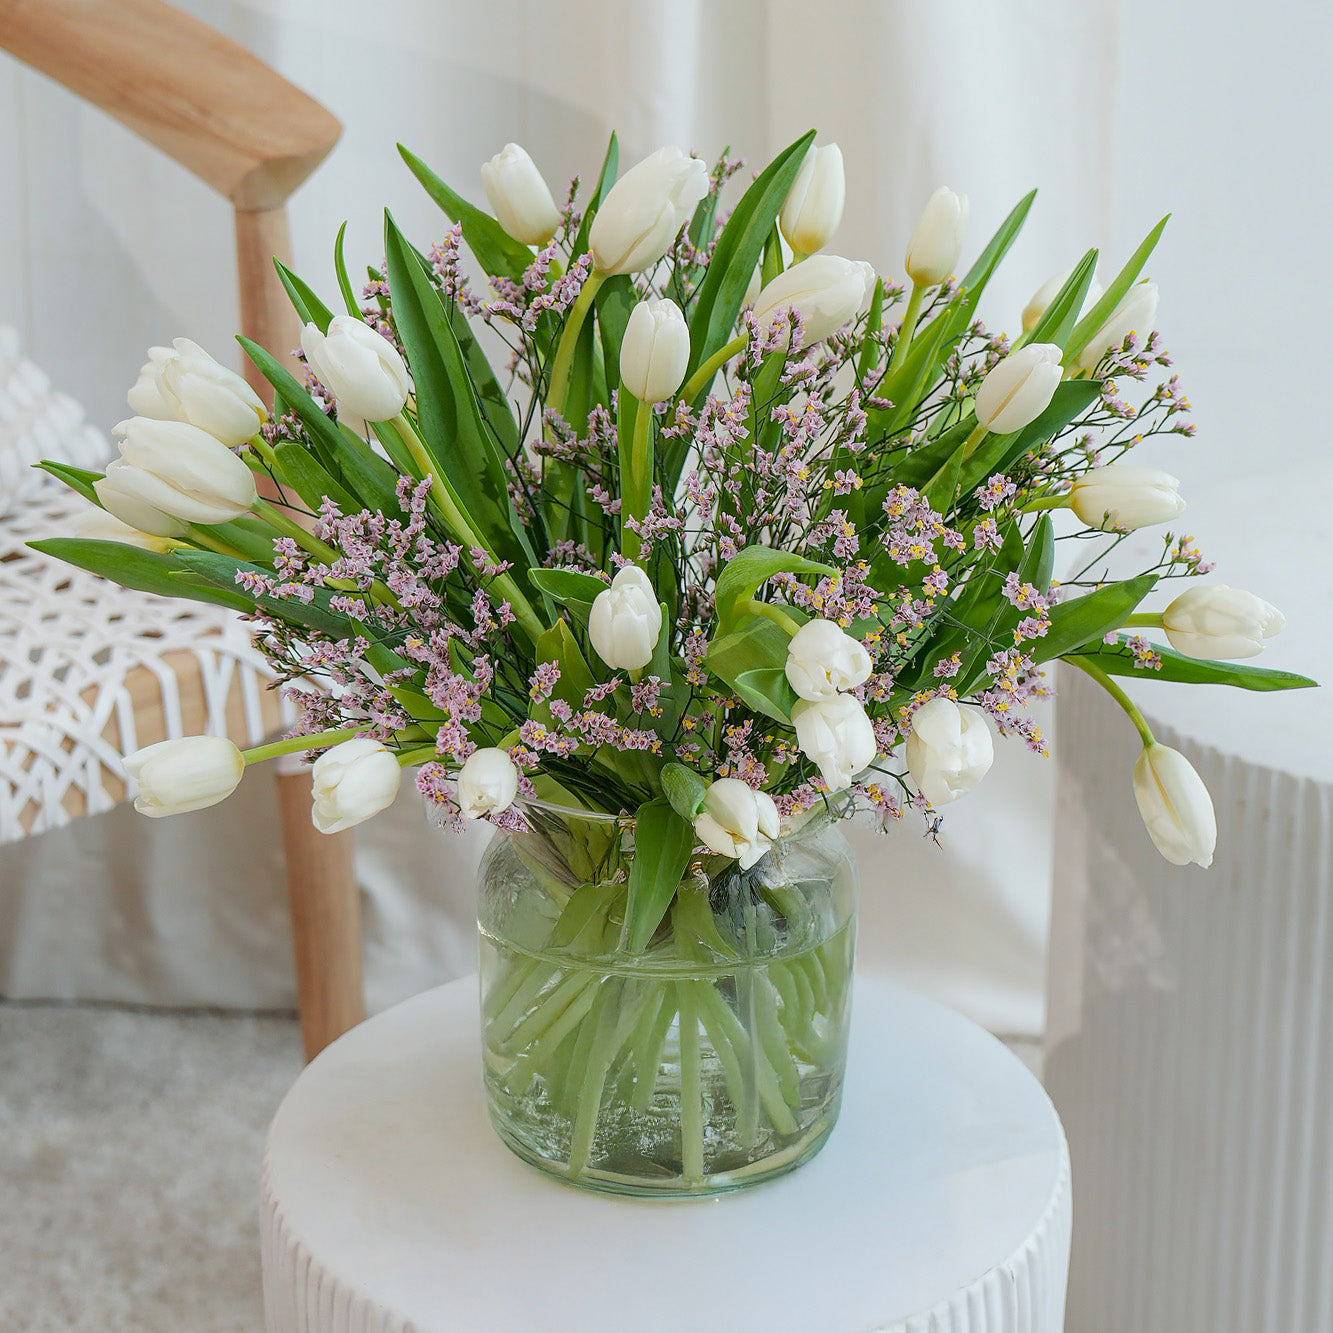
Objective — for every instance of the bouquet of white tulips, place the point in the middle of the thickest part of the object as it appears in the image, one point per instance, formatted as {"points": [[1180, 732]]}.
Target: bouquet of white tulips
{"points": [[731, 524]]}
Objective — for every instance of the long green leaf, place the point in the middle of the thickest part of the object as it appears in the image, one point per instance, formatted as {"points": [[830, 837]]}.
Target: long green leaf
{"points": [[302, 471], [1057, 320], [663, 842], [1114, 294], [606, 178], [1087, 619], [308, 306], [145, 571], [76, 478], [718, 300], [1118, 660], [497, 252], [741, 576], [221, 571], [344, 282], [451, 420]]}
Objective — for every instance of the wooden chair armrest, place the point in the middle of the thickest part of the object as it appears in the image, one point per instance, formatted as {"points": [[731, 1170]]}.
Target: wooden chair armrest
{"points": [[199, 97]]}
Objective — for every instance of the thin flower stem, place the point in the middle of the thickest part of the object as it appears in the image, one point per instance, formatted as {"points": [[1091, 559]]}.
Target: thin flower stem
{"points": [[264, 449], [974, 441], [703, 377], [557, 390], [1116, 693], [906, 329], [319, 740], [1044, 502], [636, 480]]}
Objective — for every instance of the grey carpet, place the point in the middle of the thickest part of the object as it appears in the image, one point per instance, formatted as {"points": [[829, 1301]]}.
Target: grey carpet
{"points": [[129, 1162]]}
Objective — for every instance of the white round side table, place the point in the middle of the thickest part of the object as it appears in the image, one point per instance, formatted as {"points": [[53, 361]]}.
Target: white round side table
{"points": [[941, 1203]]}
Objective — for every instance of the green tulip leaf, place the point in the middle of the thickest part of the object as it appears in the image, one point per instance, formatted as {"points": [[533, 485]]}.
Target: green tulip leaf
{"points": [[76, 478], [1057, 320], [684, 788], [496, 251], [1114, 294], [606, 178], [741, 576], [309, 308], [1118, 660], [1087, 619], [663, 842]]}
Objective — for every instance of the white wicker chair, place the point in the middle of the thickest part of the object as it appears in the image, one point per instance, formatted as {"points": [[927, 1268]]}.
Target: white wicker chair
{"points": [[89, 670]]}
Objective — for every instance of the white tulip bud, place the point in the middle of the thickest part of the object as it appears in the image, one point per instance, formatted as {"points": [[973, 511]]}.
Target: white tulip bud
{"points": [[1020, 388], [352, 782], [827, 290], [932, 253], [822, 660], [183, 383], [519, 197], [177, 470], [645, 211], [189, 773], [1135, 314], [737, 821], [813, 206], [487, 783], [1220, 623], [96, 525], [626, 621], [360, 367], [1175, 806], [835, 734], [1124, 497], [1049, 290], [655, 351], [949, 751]]}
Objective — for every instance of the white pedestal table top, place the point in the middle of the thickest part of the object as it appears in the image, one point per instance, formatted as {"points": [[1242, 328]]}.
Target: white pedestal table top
{"points": [[941, 1201]]}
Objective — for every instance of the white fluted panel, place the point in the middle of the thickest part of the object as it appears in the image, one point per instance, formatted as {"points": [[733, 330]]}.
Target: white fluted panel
{"points": [[388, 1205], [1189, 1047]]}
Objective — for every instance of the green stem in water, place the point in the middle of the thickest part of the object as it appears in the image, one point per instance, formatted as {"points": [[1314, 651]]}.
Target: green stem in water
{"points": [[703, 377], [691, 1088], [636, 479], [319, 740], [906, 329], [442, 500], [1117, 694], [557, 388], [774, 613]]}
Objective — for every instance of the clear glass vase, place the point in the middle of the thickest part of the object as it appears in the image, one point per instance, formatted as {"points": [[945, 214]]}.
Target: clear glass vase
{"points": [[713, 1059]]}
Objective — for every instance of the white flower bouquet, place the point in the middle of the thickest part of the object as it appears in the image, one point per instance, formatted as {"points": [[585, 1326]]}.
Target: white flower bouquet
{"points": [[656, 513]]}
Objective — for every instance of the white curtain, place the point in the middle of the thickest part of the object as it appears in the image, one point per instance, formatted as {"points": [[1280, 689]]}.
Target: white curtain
{"points": [[1116, 109]]}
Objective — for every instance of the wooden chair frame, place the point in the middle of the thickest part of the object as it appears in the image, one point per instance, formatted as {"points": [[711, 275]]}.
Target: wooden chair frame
{"points": [[254, 138]]}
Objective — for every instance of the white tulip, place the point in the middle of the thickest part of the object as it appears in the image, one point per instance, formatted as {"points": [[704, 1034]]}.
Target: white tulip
{"points": [[645, 211], [827, 290], [937, 241], [1175, 806], [1124, 497], [352, 782], [359, 366], [1020, 388], [737, 821], [189, 773], [822, 660], [1220, 623], [487, 783], [655, 351], [626, 621], [519, 197], [1135, 314], [183, 383], [96, 525], [813, 206], [1049, 290], [836, 735], [174, 469], [949, 751]]}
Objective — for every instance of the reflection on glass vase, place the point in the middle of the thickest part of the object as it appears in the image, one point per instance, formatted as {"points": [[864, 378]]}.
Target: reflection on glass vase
{"points": [[711, 1060]]}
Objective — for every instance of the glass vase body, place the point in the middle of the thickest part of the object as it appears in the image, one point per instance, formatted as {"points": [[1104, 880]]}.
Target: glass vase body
{"points": [[711, 1059]]}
